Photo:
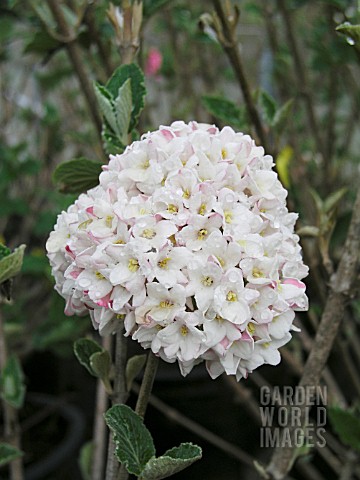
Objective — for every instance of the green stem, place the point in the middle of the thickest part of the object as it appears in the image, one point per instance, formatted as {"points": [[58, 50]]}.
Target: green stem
{"points": [[147, 384]]}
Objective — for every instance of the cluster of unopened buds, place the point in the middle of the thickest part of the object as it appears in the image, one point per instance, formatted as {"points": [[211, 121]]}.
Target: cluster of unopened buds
{"points": [[188, 241]]}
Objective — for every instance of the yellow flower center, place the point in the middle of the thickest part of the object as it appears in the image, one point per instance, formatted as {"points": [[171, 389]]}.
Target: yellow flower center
{"points": [[165, 304], [186, 194], [119, 242], [202, 234], [172, 239], [163, 263], [99, 276], [202, 209], [224, 152], [231, 296], [108, 221], [221, 261], [184, 330], [257, 273], [228, 216], [172, 208], [265, 345], [207, 281], [120, 316], [219, 319], [133, 265], [148, 233], [83, 225], [145, 165], [251, 328]]}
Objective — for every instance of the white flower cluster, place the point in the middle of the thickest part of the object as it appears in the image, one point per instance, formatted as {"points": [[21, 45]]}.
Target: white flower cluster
{"points": [[188, 239]]}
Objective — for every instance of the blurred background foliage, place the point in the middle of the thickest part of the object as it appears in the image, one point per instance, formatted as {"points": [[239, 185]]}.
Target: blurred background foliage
{"points": [[307, 96]]}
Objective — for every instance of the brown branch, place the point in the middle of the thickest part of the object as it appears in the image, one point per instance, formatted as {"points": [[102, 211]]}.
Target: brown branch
{"points": [[12, 432], [77, 62], [340, 292], [120, 395], [229, 44], [301, 78], [147, 383]]}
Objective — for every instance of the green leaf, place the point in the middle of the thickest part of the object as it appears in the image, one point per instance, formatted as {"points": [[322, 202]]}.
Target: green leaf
{"points": [[281, 116], [138, 90], [12, 386], [350, 31], [77, 176], [100, 363], [112, 143], [333, 199], [85, 460], [347, 426], [8, 453], [122, 105], [84, 348], [134, 444], [268, 106], [106, 104], [10, 265], [173, 461], [224, 110], [41, 42], [134, 366]]}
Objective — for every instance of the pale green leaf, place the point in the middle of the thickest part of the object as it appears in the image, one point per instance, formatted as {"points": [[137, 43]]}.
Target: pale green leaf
{"points": [[173, 461], [10, 265], [77, 176], [283, 161], [106, 104], [12, 387], [100, 363], [133, 367], [123, 105], [84, 348], [8, 453], [134, 444], [138, 90]]}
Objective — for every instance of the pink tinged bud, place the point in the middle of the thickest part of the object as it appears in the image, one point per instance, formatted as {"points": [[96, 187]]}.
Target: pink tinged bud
{"points": [[167, 134], [153, 62], [90, 210], [104, 302]]}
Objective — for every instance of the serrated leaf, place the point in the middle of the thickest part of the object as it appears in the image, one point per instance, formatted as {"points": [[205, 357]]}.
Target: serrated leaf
{"points": [[281, 116], [12, 386], [283, 161], [134, 444], [85, 460], [173, 461], [133, 367], [347, 426], [10, 265], [123, 105], [333, 199], [350, 31], [106, 104], [268, 106], [224, 110], [138, 90], [8, 453], [77, 176], [84, 348]]}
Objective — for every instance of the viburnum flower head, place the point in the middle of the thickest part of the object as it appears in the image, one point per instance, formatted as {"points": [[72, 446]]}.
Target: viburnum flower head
{"points": [[187, 239]]}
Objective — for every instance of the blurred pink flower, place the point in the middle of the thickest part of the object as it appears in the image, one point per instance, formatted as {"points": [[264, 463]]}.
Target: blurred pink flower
{"points": [[153, 62]]}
